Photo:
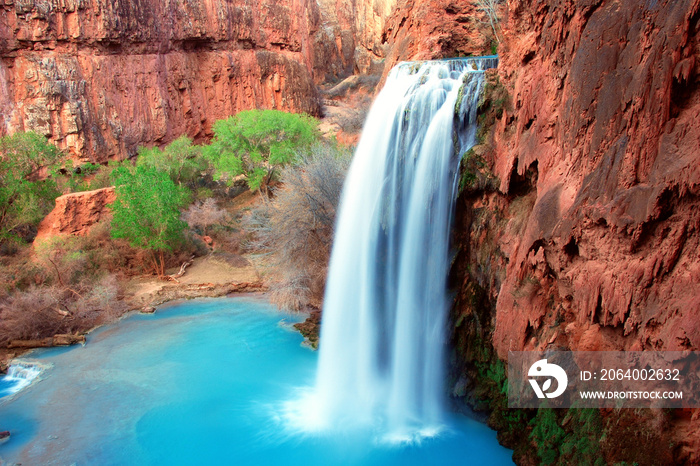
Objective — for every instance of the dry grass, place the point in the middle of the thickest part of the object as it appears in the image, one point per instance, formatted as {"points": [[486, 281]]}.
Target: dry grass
{"points": [[64, 285]]}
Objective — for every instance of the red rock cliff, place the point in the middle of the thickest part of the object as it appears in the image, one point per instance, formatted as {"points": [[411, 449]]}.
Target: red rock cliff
{"points": [[101, 78], [604, 130], [351, 37], [589, 239]]}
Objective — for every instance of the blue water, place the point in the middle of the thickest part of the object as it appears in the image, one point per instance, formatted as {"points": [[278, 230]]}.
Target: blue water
{"points": [[7, 387], [203, 382]]}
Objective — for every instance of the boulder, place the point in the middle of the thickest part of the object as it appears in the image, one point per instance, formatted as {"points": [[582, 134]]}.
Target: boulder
{"points": [[76, 213]]}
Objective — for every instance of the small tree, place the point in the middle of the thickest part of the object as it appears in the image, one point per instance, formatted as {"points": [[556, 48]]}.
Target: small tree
{"points": [[204, 214], [490, 9], [254, 143], [25, 198], [180, 159], [146, 211]]}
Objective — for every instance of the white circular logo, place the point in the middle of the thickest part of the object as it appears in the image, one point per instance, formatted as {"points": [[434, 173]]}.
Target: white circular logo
{"points": [[543, 369]]}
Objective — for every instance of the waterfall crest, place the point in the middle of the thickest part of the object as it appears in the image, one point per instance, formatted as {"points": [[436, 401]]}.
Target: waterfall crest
{"points": [[383, 331]]}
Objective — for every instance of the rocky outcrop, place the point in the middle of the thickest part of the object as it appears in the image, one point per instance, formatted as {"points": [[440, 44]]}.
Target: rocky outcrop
{"points": [[310, 328], [57, 340], [76, 213], [101, 78], [351, 37], [419, 30]]}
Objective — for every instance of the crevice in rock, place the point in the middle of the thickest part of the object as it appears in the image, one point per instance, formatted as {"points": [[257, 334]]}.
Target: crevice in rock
{"points": [[527, 58], [598, 311], [571, 249], [521, 185]]}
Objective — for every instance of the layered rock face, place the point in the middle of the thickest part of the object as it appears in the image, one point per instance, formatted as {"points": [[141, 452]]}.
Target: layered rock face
{"points": [[604, 133], [586, 237], [100, 78], [596, 160], [351, 39]]}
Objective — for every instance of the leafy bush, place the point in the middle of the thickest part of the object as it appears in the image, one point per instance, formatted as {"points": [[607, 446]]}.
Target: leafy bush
{"points": [[25, 198], [295, 228], [84, 177], [180, 159], [146, 211], [254, 143]]}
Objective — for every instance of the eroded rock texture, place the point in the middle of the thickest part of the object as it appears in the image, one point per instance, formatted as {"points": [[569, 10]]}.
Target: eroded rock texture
{"points": [[100, 78], [351, 37], [77, 213], [604, 133], [586, 237]]}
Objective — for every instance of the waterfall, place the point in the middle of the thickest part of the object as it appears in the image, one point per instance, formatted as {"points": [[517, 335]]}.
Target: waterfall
{"points": [[19, 375], [386, 301]]}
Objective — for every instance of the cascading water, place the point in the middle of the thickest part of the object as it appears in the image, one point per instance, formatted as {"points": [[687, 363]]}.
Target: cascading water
{"points": [[19, 375], [383, 331]]}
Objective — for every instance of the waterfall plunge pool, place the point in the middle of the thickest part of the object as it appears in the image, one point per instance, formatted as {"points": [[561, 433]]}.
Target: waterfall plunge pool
{"points": [[201, 382]]}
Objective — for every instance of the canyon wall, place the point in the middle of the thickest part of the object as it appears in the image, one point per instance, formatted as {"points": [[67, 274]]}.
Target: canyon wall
{"points": [[583, 231], [596, 146], [100, 78], [352, 33], [603, 132]]}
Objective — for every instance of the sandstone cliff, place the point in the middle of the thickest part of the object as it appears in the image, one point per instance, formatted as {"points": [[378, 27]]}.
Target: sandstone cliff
{"points": [[604, 133], [101, 78], [588, 239], [351, 39]]}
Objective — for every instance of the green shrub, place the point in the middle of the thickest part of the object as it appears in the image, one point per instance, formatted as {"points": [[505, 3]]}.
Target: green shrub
{"points": [[147, 211], [79, 178], [26, 195], [180, 159], [255, 143]]}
